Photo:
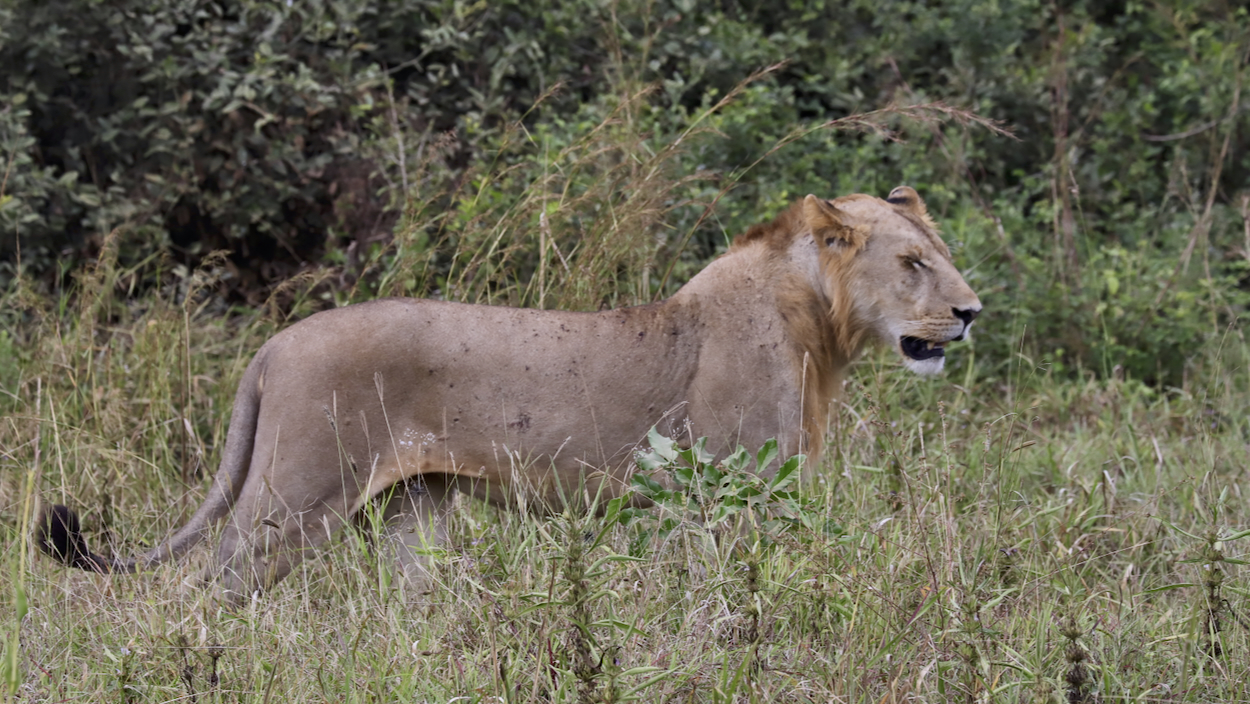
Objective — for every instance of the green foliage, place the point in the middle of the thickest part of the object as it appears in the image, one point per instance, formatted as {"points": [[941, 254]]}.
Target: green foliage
{"points": [[725, 493], [574, 216], [10, 366], [202, 126], [597, 153], [198, 126]]}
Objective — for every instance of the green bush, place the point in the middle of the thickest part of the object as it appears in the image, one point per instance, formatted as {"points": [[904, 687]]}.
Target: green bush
{"points": [[1107, 235]]}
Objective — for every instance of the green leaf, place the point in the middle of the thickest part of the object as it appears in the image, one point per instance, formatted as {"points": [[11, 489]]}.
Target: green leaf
{"points": [[729, 491], [1169, 588], [19, 596], [700, 453], [788, 473], [629, 515], [629, 694], [832, 528], [736, 462], [1171, 525], [684, 476], [667, 526], [713, 476], [642, 670], [614, 508], [621, 626], [12, 651], [723, 512], [766, 455], [662, 446], [609, 559], [646, 486]]}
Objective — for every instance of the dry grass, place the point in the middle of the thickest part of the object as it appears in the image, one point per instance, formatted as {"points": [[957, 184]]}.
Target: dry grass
{"points": [[1020, 539], [992, 552]]}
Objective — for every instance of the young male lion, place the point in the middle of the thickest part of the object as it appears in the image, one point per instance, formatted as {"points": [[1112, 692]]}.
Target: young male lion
{"points": [[350, 402]]}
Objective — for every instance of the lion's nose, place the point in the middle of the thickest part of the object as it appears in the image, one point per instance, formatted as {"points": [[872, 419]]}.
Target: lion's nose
{"points": [[966, 314]]}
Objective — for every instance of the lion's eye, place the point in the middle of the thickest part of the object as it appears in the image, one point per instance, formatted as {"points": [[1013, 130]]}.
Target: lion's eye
{"points": [[914, 263]]}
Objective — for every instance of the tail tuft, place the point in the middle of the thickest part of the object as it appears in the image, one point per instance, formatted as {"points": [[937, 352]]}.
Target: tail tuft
{"points": [[60, 537]]}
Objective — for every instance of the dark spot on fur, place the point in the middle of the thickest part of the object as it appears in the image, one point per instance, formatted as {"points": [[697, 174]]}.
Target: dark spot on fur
{"points": [[521, 424]]}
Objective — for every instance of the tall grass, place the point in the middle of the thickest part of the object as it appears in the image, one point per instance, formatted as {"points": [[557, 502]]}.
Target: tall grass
{"points": [[1017, 538]]}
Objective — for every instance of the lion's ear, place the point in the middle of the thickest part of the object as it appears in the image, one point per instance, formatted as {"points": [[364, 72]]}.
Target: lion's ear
{"points": [[907, 198], [827, 223]]}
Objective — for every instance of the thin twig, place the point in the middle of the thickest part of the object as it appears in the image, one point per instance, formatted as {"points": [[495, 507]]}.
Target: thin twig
{"points": [[1195, 130]]}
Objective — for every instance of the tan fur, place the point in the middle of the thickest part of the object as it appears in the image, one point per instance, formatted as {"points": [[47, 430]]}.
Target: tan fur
{"points": [[506, 403]]}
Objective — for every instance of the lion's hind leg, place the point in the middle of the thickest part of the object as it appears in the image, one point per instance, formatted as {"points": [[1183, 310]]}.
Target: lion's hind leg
{"points": [[414, 524], [273, 528]]}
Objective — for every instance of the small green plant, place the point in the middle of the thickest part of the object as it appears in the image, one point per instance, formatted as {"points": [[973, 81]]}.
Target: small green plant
{"points": [[717, 493], [1213, 606], [973, 648], [580, 586], [739, 495], [124, 672]]}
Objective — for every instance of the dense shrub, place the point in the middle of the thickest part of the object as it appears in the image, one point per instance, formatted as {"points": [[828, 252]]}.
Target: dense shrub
{"points": [[236, 125], [1107, 237]]}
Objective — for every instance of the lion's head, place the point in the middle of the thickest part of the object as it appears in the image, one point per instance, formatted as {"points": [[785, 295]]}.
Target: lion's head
{"points": [[888, 274]]}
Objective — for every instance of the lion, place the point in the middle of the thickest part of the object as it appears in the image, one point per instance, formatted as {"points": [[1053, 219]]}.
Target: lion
{"points": [[439, 397]]}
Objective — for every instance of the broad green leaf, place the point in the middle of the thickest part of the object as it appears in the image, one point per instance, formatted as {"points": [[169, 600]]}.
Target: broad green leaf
{"points": [[650, 461], [701, 455], [647, 486], [787, 473], [684, 476], [737, 462], [766, 455], [663, 446]]}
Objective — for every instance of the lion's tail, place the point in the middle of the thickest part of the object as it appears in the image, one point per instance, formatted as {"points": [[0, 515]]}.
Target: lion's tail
{"points": [[60, 535]]}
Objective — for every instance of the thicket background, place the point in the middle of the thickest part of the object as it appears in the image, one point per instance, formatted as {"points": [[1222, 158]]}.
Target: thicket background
{"points": [[356, 138]]}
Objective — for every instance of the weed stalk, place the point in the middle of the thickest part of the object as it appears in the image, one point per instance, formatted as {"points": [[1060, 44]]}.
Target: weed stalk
{"points": [[1077, 675], [584, 667], [1212, 581]]}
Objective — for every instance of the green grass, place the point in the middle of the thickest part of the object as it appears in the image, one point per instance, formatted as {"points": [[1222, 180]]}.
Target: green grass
{"points": [[995, 532]]}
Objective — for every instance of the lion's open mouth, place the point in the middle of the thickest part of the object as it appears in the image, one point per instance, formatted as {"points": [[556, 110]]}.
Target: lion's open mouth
{"points": [[919, 349]]}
